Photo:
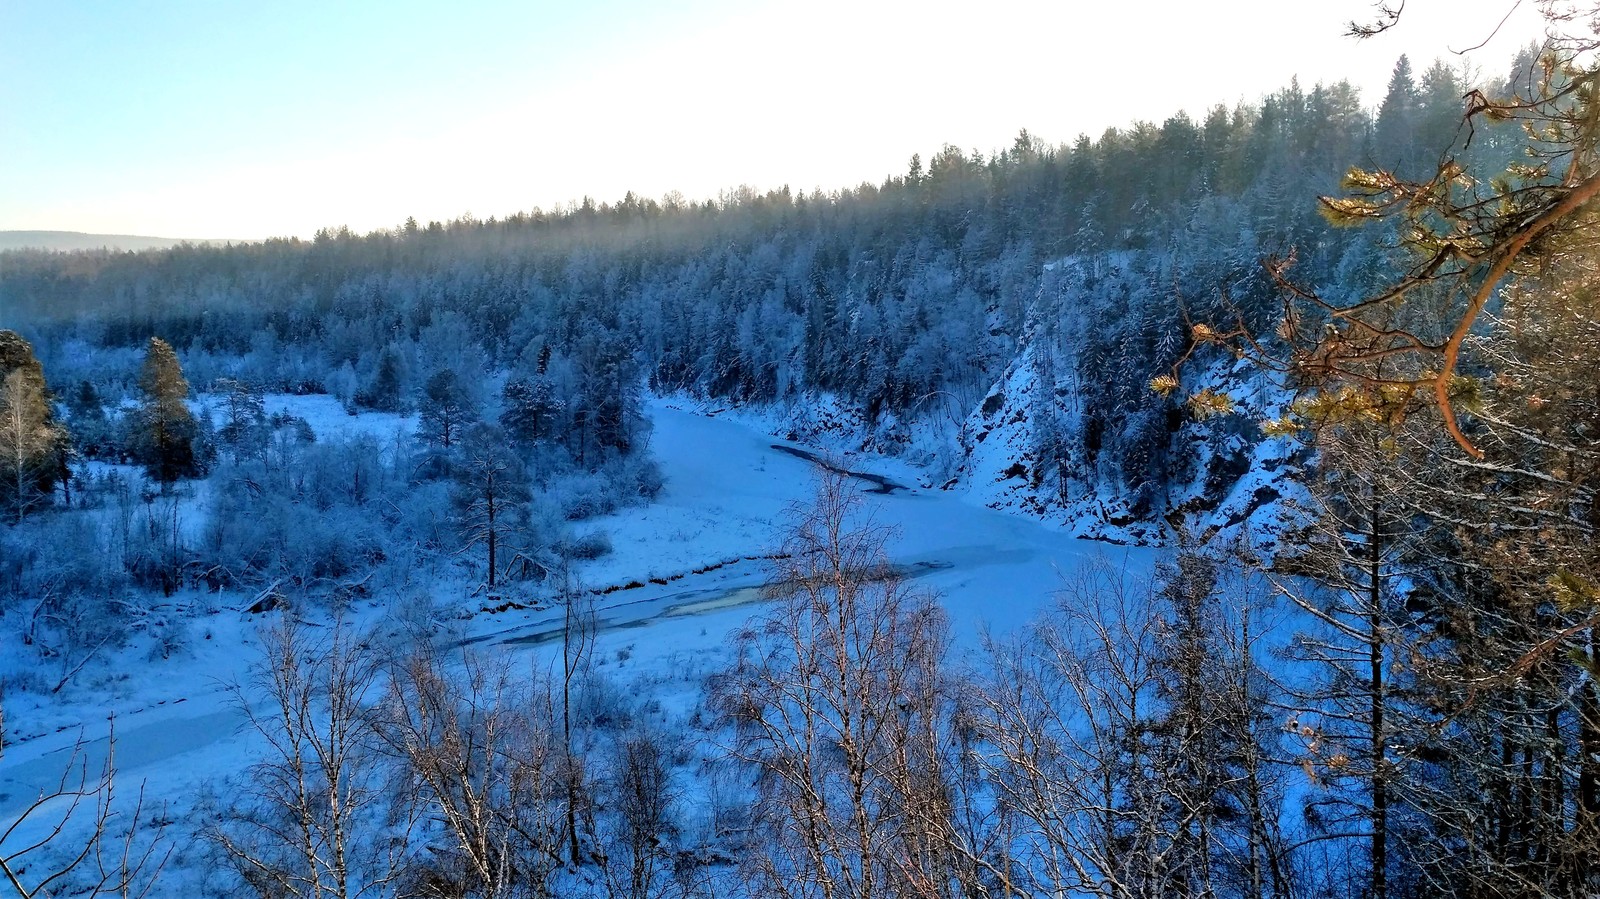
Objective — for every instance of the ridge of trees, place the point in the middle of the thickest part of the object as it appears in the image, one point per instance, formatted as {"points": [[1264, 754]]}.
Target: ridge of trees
{"points": [[907, 299]]}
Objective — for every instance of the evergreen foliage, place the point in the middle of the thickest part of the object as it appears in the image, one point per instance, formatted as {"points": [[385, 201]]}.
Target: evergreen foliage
{"points": [[905, 299], [1462, 653], [244, 428], [384, 392], [489, 499], [164, 432], [445, 410]]}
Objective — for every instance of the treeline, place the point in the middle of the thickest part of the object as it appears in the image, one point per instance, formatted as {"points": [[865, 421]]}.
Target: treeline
{"points": [[906, 299]]}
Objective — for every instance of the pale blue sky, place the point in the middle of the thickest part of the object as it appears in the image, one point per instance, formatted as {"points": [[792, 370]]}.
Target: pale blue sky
{"points": [[212, 119]]}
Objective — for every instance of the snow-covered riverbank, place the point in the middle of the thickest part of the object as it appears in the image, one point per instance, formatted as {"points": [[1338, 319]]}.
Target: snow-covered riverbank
{"points": [[685, 573]]}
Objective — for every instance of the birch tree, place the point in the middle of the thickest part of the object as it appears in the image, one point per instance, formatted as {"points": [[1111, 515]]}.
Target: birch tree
{"points": [[303, 823], [482, 759], [833, 698]]}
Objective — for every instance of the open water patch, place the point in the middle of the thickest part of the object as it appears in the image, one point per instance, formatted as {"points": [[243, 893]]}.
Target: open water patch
{"points": [[880, 483]]}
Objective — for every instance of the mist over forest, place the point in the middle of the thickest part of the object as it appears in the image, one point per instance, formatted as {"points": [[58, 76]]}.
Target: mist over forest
{"points": [[1113, 518]]}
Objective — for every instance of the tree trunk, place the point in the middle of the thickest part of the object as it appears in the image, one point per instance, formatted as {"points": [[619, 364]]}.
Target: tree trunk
{"points": [[1378, 691]]}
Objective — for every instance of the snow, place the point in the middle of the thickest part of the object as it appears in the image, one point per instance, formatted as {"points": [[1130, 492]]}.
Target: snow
{"points": [[684, 575], [730, 493], [328, 418]]}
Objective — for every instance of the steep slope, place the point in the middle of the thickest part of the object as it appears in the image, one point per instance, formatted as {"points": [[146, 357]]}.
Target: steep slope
{"points": [[1223, 478], [1051, 439]]}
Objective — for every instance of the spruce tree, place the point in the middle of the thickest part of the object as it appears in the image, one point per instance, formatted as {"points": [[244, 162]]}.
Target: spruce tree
{"points": [[34, 447], [1395, 130], [163, 439], [90, 427]]}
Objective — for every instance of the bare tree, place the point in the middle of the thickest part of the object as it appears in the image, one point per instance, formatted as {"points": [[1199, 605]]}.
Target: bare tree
{"points": [[832, 698], [77, 827], [1126, 740], [641, 797], [577, 666], [1063, 714], [302, 824], [482, 760], [1211, 735]]}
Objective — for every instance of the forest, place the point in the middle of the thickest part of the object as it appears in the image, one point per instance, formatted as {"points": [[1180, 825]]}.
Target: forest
{"points": [[1347, 446], [906, 300]]}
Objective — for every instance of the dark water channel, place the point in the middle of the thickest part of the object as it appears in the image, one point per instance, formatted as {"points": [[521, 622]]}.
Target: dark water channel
{"points": [[881, 484], [682, 604]]}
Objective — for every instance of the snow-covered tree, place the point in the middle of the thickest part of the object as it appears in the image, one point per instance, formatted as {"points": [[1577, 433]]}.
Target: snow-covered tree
{"points": [[164, 430], [33, 446]]}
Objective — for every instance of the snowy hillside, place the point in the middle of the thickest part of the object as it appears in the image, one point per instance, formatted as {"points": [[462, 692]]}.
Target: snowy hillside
{"points": [[1024, 446]]}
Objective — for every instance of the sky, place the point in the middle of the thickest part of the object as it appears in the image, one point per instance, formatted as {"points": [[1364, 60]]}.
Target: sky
{"points": [[207, 119]]}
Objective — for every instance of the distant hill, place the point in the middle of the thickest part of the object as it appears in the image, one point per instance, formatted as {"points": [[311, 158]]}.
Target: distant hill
{"points": [[77, 240]]}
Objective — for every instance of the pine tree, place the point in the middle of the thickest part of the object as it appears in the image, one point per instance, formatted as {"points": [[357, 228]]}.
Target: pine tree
{"points": [[489, 496], [244, 427], [445, 410], [1487, 334], [163, 439], [34, 447], [1361, 550], [531, 409]]}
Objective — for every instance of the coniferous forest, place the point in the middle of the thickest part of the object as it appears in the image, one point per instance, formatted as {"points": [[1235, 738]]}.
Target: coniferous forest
{"points": [[469, 553]]}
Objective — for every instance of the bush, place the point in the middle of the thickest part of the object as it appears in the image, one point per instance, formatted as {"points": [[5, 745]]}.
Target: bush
{"points": [[586, 547]]}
